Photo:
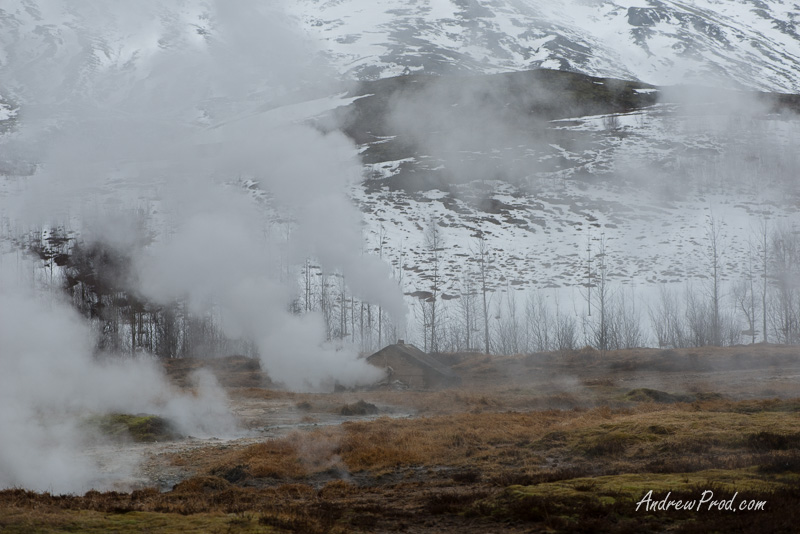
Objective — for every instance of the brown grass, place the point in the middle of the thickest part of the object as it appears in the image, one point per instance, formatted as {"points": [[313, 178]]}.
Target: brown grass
{"points": [[384, 444], [647, 436], [468, 472], [543, 442]]}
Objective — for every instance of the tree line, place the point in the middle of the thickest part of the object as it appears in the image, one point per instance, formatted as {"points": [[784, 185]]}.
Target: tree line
{"points": [[760, 305], [97, 279], [718, 309]]}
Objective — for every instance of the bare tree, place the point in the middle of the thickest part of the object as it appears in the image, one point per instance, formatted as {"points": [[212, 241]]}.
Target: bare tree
{"points": [[422, 312], [342, 307], [744, 297], [449, 330], [629, 333], [699, 317], [467, 308], [433, 244], [307, 285], [538, 322], [602, 328], [763, 248], [325, 304], [484, 265], [612, 123], [565, 333], [786, 279], [381, 243], [714, 258], [589, 284], [508, 331], [667, 320], [352, 319]]}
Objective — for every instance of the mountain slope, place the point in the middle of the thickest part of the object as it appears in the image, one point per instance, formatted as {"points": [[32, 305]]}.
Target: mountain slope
{"points": [[746, 43], [743, 43]]}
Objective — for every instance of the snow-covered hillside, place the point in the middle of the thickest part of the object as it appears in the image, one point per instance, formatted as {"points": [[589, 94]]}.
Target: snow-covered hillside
{"points": [[646, 182], [738, 43]]}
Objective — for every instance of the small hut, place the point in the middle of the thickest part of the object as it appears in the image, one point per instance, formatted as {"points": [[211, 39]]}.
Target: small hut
{"points": [[413, 367]]}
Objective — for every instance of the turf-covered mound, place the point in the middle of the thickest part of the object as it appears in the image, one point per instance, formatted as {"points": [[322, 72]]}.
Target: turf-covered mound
{"points": [[359, 408], [654, 395]]}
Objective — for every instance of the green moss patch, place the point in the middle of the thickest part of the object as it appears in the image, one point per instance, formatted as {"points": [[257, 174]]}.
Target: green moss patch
{"points": [[140, 427], [609, 504], [632, 486]]}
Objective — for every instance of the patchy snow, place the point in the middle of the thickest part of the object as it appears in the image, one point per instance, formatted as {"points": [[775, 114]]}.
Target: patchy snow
{"points": [[647, 189], [7, 112], [385, 169], [731, 43]]}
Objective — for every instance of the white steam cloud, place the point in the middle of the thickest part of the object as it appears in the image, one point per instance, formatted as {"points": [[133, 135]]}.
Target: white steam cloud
{"points": [[172, 132], [50, 383], [160, 109]]}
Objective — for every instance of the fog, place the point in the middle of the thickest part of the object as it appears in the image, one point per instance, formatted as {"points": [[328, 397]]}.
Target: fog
{"points": [[476, 127], [142, 122], [646, 185]]}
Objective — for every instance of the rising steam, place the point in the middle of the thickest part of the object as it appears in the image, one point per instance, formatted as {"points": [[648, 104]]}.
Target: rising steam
{"points": [[50, 383], [163, 109]]}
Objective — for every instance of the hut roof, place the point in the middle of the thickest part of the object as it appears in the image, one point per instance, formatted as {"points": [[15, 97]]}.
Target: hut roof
{"points": [[415, 356]]}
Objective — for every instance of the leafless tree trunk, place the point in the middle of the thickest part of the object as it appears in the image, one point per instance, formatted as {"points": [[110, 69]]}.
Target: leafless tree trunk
{"points": [[589, 273], [538, 319], [508, 341], [422, 313], [325, 304], [764, 257], [786, 275], [342, 308], [381, 242], [745, 300], [566, 332], [603, 303], [352, 319], [361, 327], [630, 334], [714, 253], [484, 264], [667, 320], [468, 313], [370, 328], [307, 285], [433, 244], [699, 319]]}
